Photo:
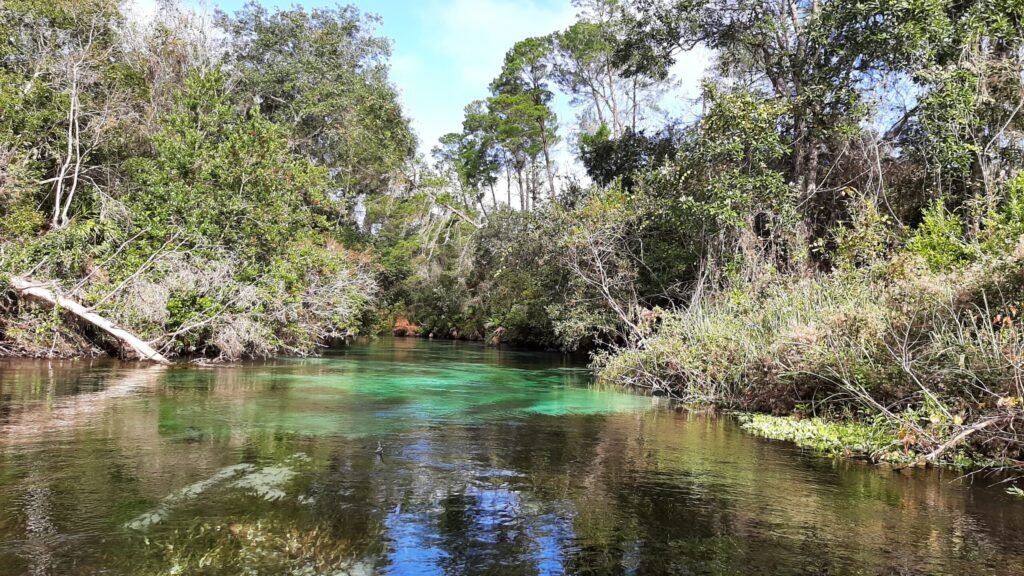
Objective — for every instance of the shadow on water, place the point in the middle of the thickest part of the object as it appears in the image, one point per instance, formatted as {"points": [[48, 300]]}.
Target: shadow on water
{"points": [[491, 462]]}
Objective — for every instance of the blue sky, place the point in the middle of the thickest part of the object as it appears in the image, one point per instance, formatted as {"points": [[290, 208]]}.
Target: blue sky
{"points": [[447, 51]]}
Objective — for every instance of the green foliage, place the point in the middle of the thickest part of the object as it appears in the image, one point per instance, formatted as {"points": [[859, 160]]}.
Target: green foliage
{"points": [[628, 156], [515, 277], [939, 239], [19, 212], [323, 75], [137, 178], [897, 336], [222, 178], [53, 54], [745, 258], [877, 440], [866, 239], [748, 258], [964, 121], [948, 111], [1004, 226], [738, 151]]}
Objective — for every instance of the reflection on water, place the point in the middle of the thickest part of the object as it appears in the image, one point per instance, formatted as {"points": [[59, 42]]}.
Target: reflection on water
{"points": [[493, 463]]}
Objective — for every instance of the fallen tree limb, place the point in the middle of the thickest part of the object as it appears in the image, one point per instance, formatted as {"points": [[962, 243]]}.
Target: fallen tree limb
{"points": [[26, 288], [961, 436]]}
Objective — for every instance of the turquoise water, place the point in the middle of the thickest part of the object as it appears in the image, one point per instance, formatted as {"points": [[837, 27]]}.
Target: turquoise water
{"points": [[489, 462]]}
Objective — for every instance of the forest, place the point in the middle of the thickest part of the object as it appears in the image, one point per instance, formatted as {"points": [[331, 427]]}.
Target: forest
{"points": [[838, 231]]}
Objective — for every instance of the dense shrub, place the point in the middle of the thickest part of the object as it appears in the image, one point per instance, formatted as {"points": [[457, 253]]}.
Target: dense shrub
{"points": [[138, 178], [940, 239]]}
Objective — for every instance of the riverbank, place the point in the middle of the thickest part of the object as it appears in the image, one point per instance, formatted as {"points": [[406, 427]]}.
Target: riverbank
{"points": [[769, 375], [924, 364]]}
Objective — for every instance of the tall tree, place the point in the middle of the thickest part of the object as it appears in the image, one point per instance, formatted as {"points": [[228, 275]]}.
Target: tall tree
{"points": [[470, 165], [816, 55], [221, 178], [967, 128], [584, 66], [522, 100], [64, 98], [324, 74]]}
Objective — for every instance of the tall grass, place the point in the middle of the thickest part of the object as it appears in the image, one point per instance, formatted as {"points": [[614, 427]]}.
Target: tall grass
{"points": [[938, 354]]}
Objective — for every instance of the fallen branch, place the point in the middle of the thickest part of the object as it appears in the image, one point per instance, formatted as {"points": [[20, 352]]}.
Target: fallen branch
{"points": [[26, 288], [462, 215], [960, 437]]}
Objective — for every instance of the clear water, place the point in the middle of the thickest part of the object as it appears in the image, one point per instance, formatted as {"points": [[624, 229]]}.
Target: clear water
{"points": [[493, 462]]}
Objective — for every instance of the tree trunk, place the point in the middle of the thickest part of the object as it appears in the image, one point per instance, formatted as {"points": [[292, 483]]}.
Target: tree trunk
{"points": [[508, 184], [547, 159], [33, 290], [636, 105], [613, 102], [523, 199]]}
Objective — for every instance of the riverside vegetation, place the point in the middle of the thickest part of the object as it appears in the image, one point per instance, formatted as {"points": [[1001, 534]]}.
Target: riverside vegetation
{"points": [[836, 233]]}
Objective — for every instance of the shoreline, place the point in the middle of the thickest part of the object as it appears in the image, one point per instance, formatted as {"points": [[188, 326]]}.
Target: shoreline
{"points": [[880, 442]]}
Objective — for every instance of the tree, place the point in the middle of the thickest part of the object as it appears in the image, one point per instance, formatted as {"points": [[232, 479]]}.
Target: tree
{"points": [[521, 98], [65, 98], [734, 176], [324, 74], [221, 178], [468, 165], [584, 66], [817, 56], [632, 154], [481, 155], [967, 130]]}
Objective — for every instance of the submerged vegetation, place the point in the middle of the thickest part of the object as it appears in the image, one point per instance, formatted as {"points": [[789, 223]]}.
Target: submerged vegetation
{"points": [[838, 233]]}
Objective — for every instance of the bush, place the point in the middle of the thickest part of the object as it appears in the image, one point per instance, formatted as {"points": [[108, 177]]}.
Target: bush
{"points": [[213, 249], [1004, 227], [896, 340], [867, 237], [939, 239]]}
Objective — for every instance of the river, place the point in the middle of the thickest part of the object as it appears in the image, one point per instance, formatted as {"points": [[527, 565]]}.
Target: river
{"points": [[408, 456]]}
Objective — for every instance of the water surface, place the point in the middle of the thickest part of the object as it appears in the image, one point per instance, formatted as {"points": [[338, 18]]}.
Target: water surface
{"points": [[494, 462]]}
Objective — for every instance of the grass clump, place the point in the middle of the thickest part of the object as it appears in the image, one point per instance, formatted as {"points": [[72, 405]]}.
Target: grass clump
{"points": [[936, 353]]}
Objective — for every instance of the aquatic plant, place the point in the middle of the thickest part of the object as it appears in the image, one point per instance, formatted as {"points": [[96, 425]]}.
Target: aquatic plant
{"points": [[877, 440], [252, 547], [160, 513], [266, 483]]}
